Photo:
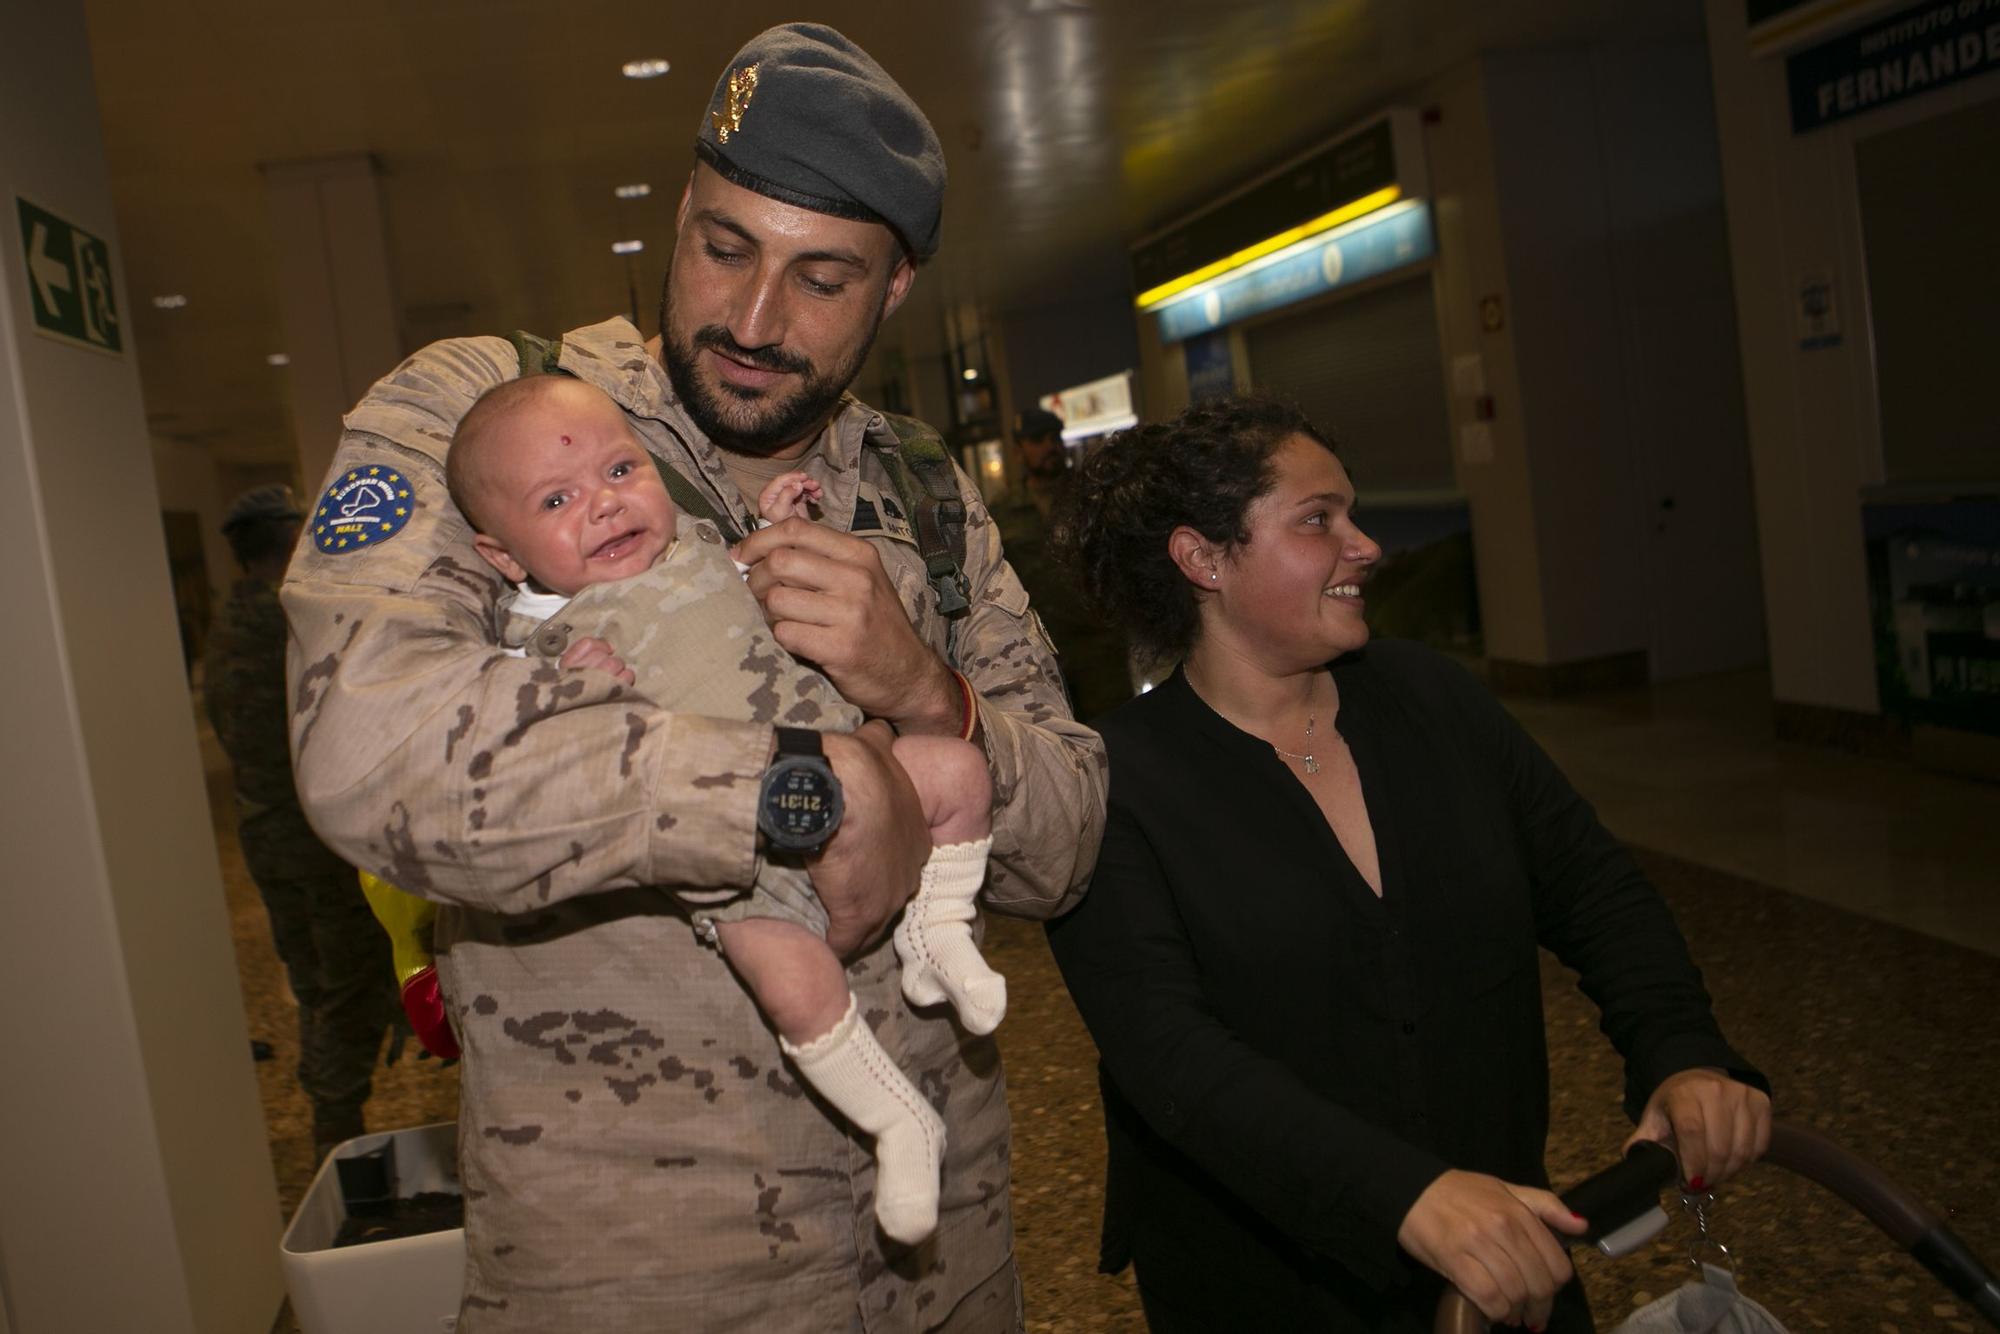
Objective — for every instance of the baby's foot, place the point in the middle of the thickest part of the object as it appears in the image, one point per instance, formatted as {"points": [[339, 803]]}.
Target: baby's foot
{"points": [[934, 939]]}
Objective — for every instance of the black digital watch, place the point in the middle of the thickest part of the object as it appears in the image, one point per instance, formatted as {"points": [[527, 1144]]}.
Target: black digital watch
{"points": [[799, 805]]}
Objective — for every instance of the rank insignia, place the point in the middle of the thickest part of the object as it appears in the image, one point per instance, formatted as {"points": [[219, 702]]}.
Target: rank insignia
{"points": [[729, 120], [364, 507]]}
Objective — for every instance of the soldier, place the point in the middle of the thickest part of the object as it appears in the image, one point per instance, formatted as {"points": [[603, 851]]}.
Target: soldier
{"points": [[1044, 457], [636, 1153], [1091, 649], [335, 957]]}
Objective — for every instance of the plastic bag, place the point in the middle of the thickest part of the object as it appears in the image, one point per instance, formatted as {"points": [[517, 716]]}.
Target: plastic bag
{"points": [[1708, 1305]]}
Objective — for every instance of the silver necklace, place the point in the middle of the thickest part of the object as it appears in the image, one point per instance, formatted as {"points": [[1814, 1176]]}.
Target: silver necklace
{"points": [[1311, 764]]}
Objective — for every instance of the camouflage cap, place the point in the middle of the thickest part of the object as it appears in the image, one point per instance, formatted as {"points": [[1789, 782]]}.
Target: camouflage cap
{"points": [[804, 116], [263, 502]]}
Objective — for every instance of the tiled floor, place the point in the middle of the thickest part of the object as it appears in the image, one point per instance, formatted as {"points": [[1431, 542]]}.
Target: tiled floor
{"points": [[1882, 1038], [1690, 769]]}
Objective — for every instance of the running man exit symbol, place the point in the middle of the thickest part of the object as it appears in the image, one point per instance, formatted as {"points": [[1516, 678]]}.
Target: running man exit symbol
{"points": [[69, 280]]}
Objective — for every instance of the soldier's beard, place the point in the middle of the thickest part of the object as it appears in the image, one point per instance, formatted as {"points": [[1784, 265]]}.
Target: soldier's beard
{"points": [[751, 421]]}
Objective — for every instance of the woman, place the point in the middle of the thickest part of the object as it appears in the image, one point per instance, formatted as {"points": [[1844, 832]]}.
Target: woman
{"points": [[1308, 954]]}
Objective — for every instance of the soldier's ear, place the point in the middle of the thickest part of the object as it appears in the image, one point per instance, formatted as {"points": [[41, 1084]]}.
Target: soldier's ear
{"points": [[496, 554], [898, 287]]}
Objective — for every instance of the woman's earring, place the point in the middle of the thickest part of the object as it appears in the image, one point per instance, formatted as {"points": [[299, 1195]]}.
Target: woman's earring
{"points": [[1211, 576]]}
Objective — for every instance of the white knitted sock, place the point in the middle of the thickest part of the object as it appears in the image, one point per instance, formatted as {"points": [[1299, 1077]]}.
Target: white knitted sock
{"points": [[934, 939], [851, 1071]]}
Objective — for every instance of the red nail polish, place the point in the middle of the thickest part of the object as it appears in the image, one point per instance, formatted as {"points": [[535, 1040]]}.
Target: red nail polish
{"points": [[1697, 1183]]}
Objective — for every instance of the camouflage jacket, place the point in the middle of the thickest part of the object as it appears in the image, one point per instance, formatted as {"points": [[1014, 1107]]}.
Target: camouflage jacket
{"points": [[243, 687], [635, 1153]]}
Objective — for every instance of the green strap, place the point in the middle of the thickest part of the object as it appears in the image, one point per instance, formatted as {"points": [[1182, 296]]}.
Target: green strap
{"points": [[543, 356], [539, 356], [922, 472]]}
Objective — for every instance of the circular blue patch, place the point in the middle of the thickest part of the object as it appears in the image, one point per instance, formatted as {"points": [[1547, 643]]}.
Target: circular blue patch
{"points": [[364, 507]]}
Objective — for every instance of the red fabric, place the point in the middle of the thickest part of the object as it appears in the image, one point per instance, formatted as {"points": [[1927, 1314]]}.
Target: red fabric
{"points": [[424, 1004]]}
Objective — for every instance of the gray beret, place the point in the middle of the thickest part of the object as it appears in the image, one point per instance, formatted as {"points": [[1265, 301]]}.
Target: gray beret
{"points": [[263, 502], [806, 117]]}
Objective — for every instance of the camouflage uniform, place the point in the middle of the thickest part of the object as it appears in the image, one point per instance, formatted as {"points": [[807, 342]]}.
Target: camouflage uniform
{"points": [[335, 956], [697, 642], [635, 1156]]}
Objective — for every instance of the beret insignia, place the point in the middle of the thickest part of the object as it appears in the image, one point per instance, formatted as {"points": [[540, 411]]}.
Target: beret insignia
{"points": [[729, 120]]}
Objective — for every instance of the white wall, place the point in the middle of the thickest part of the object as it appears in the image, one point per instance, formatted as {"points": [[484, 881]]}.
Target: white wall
{"points": [[188, 480], [136, 1190], [1815, 436], [1606, 174]]}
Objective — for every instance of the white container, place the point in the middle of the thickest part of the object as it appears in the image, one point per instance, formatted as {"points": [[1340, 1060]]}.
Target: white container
{"points": [[407, 1285]]}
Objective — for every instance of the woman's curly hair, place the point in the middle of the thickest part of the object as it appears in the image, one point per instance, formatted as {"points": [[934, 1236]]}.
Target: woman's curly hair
{"points": [[1201, 470]]}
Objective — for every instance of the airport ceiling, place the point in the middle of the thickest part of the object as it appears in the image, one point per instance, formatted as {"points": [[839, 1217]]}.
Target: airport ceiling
{"points": [[1071, 127]]}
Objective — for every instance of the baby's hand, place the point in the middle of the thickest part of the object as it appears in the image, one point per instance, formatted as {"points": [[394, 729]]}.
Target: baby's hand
{"points": [[599, 655], [786, 497]]}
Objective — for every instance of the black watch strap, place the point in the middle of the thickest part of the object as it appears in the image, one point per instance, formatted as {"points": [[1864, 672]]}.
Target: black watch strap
{"points": [[800, 741]]}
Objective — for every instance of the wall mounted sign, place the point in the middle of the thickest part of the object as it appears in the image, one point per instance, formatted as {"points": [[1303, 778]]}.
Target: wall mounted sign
{"points": [[1904, 54], [69, 280], [1818, 312], [1397, 236]]}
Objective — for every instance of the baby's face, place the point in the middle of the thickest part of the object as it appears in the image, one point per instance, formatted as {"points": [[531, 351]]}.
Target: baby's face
{"points": [[570, 496]]}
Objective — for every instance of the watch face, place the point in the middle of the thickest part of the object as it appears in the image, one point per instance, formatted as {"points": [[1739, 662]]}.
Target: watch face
{"points": [[801, 803]]}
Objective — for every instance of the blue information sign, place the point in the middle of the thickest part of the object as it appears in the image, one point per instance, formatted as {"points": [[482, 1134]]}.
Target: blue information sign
{"points": [[1912, 51], [1404, 237]]}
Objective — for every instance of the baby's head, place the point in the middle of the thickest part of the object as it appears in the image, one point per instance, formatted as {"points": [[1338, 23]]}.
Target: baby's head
{"points": [[556, 486]]}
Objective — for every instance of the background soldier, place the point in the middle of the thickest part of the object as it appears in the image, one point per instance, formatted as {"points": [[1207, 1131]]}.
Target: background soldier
{"points": [[1044, 457], [1091, 647], [636, 1153], [336, 958]]}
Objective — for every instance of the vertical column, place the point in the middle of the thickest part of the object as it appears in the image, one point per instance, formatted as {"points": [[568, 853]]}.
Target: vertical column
{"points": [[136, 1186], [339, 298]]}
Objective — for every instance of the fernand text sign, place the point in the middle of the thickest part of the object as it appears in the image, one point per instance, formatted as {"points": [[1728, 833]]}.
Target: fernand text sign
{"points": [[1910, 52], [69, 280]]}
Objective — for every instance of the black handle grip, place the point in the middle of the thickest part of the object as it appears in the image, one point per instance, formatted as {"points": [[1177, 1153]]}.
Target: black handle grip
{"points": [[1620, 1193]]}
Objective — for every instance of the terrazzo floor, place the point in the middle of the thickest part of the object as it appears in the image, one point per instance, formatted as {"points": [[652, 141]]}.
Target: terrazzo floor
{"points": [[1878, 1035]]}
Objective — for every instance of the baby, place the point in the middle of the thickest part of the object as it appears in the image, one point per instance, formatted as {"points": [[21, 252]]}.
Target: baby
{"points": [[568, 505]]}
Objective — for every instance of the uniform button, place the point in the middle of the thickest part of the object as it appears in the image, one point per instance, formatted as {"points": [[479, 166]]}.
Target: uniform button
{"points": [[707, 533], [551, 640], [1172, 1110], [1409, 1027]]}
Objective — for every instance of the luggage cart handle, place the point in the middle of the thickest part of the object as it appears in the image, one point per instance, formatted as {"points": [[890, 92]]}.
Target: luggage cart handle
{"points": [[1907, 1220], [1610, 1202], [1880, 1198]]}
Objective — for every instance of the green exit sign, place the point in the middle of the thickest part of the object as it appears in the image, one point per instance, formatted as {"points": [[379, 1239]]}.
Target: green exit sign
{"points": [[69, 280]]}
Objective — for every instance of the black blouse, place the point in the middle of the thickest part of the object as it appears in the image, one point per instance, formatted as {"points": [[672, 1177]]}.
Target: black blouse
{"points": [[1289, 1060]]}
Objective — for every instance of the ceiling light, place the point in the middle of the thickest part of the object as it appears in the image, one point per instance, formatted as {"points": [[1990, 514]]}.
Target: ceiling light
{"points": [[278, 359], [636, 190], [627, 247], [173, 301], [970, 373], [645, 69]]}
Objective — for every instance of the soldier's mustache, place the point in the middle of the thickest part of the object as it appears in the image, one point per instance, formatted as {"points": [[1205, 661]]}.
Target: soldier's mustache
{"points": [[763, 358]]}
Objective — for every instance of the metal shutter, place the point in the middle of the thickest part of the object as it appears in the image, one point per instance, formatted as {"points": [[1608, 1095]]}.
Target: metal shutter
{"points": [[1366, 368]]}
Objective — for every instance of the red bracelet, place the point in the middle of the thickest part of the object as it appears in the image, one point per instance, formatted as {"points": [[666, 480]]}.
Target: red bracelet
{"points": [[971, 708]]}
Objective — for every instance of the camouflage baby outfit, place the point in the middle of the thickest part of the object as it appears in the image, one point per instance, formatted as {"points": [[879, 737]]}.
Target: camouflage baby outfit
{"points": [[698, 643]]}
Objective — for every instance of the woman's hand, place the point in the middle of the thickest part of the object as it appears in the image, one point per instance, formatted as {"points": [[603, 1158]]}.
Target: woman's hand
{"points": [[1716, 1126], [1491, 1240]]}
